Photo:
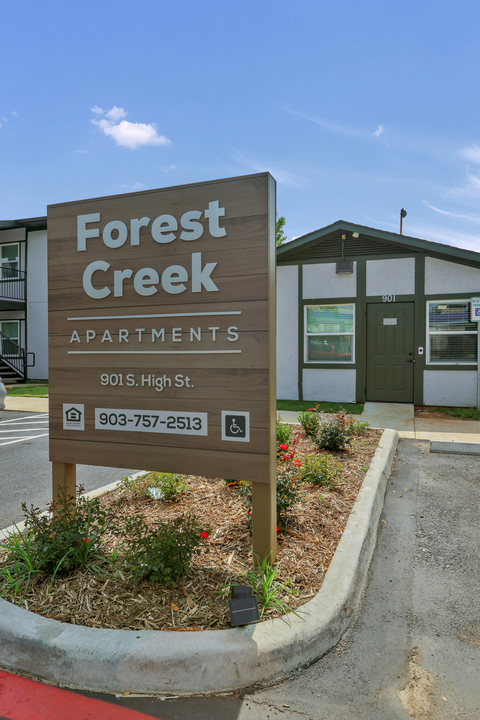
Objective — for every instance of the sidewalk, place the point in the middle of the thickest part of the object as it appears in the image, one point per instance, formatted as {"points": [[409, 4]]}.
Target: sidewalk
{"points": [[402, 419], [26, 404]]}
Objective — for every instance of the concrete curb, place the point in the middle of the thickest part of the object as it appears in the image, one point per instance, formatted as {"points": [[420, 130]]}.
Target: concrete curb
{"points": [[210, 661], [454, 448]]}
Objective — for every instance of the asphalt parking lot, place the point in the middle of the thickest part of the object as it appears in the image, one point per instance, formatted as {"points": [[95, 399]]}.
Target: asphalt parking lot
{"points": [[26, 474]]}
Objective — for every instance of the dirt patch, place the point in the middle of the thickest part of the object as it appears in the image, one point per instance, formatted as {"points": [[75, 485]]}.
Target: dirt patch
{"points": [[306, 544], [416, 697]]}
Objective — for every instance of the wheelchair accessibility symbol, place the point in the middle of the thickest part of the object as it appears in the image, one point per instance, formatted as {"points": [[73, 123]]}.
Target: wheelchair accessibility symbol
{"points": [[236, 426]]}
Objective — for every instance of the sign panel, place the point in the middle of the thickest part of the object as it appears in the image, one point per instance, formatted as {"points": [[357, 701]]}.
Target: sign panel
{"points": [[475, 311], [162, 329]]}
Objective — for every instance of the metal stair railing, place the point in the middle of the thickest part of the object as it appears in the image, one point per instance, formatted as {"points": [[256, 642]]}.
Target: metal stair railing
{"points": [[12, 283], [14, 356]]}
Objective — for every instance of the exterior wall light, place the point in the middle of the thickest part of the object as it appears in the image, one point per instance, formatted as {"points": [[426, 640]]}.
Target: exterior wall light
{"points": [[345, 267]]}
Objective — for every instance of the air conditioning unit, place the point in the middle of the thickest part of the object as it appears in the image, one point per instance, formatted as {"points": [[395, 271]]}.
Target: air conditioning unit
{"points": [[345, 267]]}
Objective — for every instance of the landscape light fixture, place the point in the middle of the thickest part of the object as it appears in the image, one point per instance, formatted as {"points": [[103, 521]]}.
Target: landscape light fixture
{"points": [[243, 606], [356, 235], [403, 214]]}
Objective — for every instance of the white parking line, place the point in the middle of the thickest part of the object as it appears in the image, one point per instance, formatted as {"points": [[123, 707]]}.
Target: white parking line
{"points": [[29, 417], [13, 431], [30, 437]]}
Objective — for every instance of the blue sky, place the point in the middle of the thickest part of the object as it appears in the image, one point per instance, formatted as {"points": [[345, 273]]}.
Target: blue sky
{"points": [[357, 107]]}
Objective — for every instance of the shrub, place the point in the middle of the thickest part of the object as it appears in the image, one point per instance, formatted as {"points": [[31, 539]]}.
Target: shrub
{"points": [[164, 554], [284, 433], [335, 433], [155, 485], [309, 421], [357, 427], [321, 470], [70, 539]]}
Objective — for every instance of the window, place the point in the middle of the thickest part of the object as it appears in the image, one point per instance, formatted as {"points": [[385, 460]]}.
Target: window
{"points": [[9, 256], [329, 333], [452, 336]]}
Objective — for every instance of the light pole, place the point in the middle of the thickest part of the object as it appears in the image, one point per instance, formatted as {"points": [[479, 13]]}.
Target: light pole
{"points": [[403, 213]]}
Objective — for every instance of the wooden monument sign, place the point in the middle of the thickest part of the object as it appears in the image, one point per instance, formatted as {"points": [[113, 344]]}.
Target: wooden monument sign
{"points": [[162, 334]]}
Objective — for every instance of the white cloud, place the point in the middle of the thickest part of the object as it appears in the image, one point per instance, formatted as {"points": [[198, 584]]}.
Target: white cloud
{"points": [[14, 113], [442, 212], [128, 134], [97, 110], [472, 154], [468, 241], [115, 114], [379, 131], [325, 124], [82, 152], [137, 186]]}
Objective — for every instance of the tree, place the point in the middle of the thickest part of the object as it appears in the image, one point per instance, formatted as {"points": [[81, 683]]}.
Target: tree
{"points": [[280, 236]]}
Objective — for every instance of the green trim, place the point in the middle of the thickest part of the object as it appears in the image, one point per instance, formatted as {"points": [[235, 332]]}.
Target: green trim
{"points": [[329, 366], [472, 368], [419, 335], [330, 301], [361, 331], [451, 296], [19, 305], [300, 333], [338, 258]]}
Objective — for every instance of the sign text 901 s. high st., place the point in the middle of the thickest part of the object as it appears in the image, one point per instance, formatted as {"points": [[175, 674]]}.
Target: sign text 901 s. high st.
{"points": [[162, 332]]}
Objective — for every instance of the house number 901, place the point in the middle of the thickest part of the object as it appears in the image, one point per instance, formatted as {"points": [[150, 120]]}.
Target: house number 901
{"points": [[388, 298]]}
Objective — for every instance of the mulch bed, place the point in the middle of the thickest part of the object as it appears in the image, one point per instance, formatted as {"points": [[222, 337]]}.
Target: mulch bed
{"points": [[305, 548]]}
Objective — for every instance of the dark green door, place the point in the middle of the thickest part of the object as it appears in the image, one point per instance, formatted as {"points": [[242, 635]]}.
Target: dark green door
{"points": [[390, 352]]}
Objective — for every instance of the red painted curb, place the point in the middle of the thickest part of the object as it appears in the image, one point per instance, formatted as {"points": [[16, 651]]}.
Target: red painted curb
{"points": [[22, 699]]}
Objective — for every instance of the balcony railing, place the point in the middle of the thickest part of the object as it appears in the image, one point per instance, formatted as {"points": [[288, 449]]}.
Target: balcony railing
{"points": [[12, 284], [13, 355]]}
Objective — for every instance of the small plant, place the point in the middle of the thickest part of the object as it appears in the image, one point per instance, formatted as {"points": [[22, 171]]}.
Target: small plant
{"points": [[22, 563], [71, 538], [284, 433], [357, 427], [310, 421], [269, 591], [335, 433], [321, 470], [155, 485], [164, 554]]}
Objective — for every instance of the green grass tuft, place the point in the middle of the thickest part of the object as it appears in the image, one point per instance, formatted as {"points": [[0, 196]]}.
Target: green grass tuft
{"points": [[40, 391], [471, 413], [330, 407]]}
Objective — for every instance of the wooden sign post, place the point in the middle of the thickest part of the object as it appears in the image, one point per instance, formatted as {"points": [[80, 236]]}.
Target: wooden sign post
{"points": [[162, 336]]}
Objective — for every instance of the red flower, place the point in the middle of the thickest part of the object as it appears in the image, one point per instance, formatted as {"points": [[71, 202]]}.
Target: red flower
{"points": [[86, 541], [204, 535], [278, 529], [310, 409], [283, 447]]}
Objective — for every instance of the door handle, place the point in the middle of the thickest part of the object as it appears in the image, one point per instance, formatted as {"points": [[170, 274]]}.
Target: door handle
{"points": [[409, 360]]}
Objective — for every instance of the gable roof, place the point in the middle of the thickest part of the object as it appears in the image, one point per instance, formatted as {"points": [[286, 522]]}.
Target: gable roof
{"points": [[328, 243]]}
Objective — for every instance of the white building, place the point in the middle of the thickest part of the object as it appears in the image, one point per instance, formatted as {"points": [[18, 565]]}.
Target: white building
{"points": [[365, 314], [23, 300]]}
